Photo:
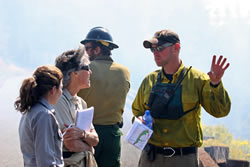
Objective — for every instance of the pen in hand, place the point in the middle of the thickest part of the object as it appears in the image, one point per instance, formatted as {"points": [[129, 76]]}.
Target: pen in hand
{"points": [[70, 125]]}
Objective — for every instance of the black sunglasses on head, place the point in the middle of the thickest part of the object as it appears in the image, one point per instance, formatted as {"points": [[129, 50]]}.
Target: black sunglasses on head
{"points": [[85, 68], [88, 47]]}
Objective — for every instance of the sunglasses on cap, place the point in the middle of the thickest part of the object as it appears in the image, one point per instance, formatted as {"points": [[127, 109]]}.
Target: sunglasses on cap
{"points": [[86, 68], [157, 34], [160, 48]]}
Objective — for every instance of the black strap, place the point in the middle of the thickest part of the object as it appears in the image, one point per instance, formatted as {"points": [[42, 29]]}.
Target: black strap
{"points": [[178, 83], [159, 75], [181, 77], [167, 151], [177, 151]]}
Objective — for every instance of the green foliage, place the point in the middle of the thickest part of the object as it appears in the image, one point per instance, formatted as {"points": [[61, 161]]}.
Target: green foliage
{"points": [[238, 149]]}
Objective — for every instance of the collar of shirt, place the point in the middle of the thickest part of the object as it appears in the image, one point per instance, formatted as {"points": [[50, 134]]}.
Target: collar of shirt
{"points": [[105, 58], [46, 104], [70, 97], [175, 75], [67, 95]]}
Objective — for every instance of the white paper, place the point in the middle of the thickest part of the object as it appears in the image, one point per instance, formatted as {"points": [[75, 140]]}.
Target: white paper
{"points": [[139, 134], [84, 118]]}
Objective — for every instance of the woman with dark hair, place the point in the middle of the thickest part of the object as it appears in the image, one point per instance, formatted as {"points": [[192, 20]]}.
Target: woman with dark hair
{"points": [[78, 144], [39, 133]]}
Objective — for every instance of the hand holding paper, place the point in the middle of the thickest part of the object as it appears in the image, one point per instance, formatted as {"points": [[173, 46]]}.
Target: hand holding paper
{"points": [[84, 118], [139, 134]]}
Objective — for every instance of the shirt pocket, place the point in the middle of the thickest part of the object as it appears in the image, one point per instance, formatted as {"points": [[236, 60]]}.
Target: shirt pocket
{"points": [[190, 102], [116, 132]]}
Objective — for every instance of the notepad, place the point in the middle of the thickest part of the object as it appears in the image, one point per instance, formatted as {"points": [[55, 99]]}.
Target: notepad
{"points": [[84, 118], [139, 134]]}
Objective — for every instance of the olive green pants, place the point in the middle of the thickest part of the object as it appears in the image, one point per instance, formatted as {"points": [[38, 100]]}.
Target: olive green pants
{"points": [[108, 150], [190, 160]]}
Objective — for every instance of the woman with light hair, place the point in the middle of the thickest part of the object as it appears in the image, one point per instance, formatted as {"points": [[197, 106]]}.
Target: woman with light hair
{"points": [[39, 133], [78, 144]]}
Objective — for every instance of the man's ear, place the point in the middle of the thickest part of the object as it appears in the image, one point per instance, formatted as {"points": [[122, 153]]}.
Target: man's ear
{"points": [[73, 76], [177, 46], [97, 50]]}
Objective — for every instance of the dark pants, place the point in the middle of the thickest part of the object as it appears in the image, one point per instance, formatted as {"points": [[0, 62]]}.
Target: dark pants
{"points": [[108, 150], [190, 160]]}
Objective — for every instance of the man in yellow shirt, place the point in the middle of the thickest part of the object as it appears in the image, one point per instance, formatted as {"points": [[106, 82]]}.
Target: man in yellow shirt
{"points": [[109, 87], [174, 95]]}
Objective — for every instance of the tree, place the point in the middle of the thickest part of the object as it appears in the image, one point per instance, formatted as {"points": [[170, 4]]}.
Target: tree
{"points": [[220, 136]]}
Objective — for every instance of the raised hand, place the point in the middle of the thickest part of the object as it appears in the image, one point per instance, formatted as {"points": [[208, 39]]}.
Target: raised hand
{"points": [[217, 69]]}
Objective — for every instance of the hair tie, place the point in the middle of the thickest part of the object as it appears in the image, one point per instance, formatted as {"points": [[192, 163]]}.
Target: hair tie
{"points": [[35, 81]]}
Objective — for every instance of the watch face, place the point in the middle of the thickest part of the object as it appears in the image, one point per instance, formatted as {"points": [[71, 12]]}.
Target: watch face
{"points": [[84, 135]]}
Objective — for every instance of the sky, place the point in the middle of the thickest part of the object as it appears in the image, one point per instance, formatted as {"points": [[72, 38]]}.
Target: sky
{"points": [[34, 33]]}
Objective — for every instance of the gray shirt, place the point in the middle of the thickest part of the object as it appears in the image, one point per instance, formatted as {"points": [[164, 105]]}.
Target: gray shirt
{"points": [[40, 137], [66, 108]]}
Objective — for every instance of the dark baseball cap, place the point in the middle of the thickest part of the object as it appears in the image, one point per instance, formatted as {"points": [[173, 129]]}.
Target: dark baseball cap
{"points": [[162, 37]]}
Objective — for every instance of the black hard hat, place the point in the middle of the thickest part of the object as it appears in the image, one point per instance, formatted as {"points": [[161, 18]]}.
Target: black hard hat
{"points": [[102, 35]]}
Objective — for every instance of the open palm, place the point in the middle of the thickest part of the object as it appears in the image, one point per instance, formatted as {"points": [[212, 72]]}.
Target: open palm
{"points": [[217, 69]]}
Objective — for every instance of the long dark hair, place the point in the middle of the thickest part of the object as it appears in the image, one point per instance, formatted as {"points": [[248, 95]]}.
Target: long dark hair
{"points": [[35, 87]]}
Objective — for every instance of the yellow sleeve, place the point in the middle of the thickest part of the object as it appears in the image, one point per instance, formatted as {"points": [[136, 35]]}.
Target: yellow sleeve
{"points": [[141, 100], [215, 100]]}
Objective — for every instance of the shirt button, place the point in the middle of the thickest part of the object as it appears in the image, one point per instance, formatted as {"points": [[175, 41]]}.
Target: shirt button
{"points": [[165, 130], [165, 144]]}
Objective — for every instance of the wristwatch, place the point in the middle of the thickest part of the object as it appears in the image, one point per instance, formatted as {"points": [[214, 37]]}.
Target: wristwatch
{"points": [[84, 135]]}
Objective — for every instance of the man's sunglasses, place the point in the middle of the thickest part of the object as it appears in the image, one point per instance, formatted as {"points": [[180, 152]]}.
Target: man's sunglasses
{"points": [[88, 47], [160, 48], [85, 68]]}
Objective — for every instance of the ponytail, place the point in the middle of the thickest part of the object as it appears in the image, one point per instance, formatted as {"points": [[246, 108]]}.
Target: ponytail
{"points": [[27, 95], [33, 88]]}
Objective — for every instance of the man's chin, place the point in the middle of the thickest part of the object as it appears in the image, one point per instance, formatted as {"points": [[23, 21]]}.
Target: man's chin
{"points": [[158, 64]]}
